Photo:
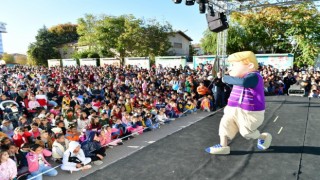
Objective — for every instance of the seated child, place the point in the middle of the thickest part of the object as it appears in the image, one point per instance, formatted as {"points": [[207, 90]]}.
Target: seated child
{"points": [[7, 128], [59, 146], [18, 158], [162, 117], [148, 121], [106, 137], [44, 140], [38, 164], [205, 104], [190, 107], [92, 148], [74, 158], [72, 133]]}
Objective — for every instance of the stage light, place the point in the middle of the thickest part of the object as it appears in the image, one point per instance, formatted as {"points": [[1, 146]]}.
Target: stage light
{"points": [[190, 2], [202, 8], [177, 1], [202, 1]]}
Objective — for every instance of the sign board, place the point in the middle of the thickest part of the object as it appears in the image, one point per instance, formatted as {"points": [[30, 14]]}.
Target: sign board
{"points": [[54, 62], [279, 61], [88, 62], [202, 60], [141, 62], [171, 61], [109, 61], [2, 62], [69, 62], [317, 64], [197, 60]]}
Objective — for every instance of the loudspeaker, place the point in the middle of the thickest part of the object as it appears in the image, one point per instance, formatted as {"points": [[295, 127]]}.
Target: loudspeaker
{"points": [[218, 22]]}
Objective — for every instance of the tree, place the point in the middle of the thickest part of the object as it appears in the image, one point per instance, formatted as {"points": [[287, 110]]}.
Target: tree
{"points": [[8, 58], [87, 31], [85, 54], [49, 40], [21, 59], [209, 42], [43, 49], [273, 30], [237, 40], [155, 38], [123, 36], [64, 33]]}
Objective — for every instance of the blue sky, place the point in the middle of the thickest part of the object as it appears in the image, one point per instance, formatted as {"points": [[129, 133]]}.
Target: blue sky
{"points": [[25, 17]]}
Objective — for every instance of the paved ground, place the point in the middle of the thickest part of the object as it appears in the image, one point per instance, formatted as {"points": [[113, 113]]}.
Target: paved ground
{"points": [[294, 154], [136, 144]]}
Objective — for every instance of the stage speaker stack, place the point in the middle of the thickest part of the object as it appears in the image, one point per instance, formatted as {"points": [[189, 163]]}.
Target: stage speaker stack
{"points": [[217, 22]]}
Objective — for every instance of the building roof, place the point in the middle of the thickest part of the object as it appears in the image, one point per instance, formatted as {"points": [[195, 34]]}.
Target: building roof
{"points": [[184, 35]]}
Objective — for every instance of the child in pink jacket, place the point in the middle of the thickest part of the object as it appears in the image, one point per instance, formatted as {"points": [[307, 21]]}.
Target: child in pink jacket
{"points": [[106, 137], [38, 164]]}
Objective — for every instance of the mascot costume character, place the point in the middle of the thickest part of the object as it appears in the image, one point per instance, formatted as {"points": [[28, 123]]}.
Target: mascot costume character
{"points": [[246, 104]]}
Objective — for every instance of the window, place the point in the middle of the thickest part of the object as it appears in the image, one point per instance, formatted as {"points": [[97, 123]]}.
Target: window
{"points": [[177, 45]]}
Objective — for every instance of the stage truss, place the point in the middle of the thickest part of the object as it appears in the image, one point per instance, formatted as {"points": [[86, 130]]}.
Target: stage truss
{"points": [[228, 6]]}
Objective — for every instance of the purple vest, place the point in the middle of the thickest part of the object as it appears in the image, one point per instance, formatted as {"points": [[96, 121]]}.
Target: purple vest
{"points": [[250, 99]]}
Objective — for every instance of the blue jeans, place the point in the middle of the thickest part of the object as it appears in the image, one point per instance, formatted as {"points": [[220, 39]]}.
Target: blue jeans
{"points": [[53, 103], [190, 111], [43, 168]]}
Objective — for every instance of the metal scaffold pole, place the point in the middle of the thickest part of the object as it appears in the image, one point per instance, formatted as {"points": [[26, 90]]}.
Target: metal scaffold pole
{"points": [[224, 49]]}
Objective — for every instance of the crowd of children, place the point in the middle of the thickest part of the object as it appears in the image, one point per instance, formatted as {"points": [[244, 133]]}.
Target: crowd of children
{"points": [[72, 115]]}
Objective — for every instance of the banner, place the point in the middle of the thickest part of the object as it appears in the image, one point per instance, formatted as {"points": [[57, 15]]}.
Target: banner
{"points": [[317, 64], [109, 61], [88, 62], [202, 60], [69, 62], [141, 62], [54, 62], [279, 61], [197, 60], [171, 61]]}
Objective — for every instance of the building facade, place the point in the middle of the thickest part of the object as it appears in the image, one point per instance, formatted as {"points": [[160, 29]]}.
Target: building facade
{"points": [[180, 43]]}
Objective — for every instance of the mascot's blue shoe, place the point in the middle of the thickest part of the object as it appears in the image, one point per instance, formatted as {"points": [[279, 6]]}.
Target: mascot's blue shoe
{"points": [[218, 149], [265, 143]]}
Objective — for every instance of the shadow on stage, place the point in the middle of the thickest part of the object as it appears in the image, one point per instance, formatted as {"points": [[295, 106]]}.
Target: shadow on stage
{"points": [[283, 149]]}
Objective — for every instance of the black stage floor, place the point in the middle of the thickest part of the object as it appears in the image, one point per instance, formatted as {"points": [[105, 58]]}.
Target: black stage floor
{"points": [[294, 123]]}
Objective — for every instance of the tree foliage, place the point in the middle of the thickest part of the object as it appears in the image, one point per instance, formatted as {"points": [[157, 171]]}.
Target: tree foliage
{"points": [[64, 33], [20, 59], [48, 42], [237, 40], [8, 58], [123, 36], [273, 30]]}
